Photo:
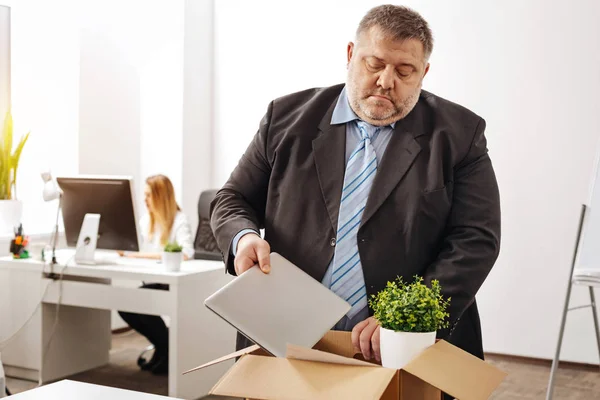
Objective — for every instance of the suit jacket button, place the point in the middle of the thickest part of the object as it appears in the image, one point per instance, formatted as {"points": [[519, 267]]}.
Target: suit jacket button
{"points": [[332, 242]]}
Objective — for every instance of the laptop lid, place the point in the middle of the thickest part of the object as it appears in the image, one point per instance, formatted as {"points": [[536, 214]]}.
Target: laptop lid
{"points": [[285, 306]]}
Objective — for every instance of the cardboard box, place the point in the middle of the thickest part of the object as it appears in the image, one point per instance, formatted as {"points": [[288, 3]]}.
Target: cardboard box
{"points": [[332, 370]]}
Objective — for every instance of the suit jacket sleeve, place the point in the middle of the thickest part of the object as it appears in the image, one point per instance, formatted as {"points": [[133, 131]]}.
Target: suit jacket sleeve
{"points": [[241, 203], [472, 241]]}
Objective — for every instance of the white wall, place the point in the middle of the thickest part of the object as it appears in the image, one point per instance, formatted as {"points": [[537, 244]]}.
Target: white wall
{"points": [[131, 90], [4, 60], [529, 68], [145, 91], [45, 82]]}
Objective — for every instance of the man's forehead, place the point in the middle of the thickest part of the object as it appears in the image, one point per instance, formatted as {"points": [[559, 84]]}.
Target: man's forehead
{"points": [[382, 45]]}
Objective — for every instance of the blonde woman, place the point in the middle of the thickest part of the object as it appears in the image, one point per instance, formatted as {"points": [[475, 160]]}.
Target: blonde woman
{"points": [[163, 223]]}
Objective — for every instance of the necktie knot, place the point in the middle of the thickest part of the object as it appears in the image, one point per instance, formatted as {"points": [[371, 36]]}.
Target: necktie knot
{"points": [[367, 131]]}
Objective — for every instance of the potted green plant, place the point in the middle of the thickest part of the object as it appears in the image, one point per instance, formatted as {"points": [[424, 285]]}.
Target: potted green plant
{"points": [[409, 315], [11, 208], [172, 256]]}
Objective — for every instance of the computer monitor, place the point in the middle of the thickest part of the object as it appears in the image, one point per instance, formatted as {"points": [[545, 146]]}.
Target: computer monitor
{"points": [[99, 212]]}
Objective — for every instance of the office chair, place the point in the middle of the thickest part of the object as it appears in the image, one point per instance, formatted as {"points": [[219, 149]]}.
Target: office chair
{"points": [[142, 358], [205, 245]]}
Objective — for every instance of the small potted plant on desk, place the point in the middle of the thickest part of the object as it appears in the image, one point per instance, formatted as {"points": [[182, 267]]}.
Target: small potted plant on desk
{"points": [[409, 315], [172, 257], [11, 209]]}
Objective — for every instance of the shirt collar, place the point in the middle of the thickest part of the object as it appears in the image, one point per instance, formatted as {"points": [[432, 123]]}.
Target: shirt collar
{"points": [[343, 113]]}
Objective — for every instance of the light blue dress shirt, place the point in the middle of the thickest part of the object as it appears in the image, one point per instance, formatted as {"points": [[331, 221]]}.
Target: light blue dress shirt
{"points": [[343, 114]]}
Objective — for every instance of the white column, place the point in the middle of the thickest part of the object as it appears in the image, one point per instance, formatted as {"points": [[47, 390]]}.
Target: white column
{"points": [[4, 60], [198, 108]]}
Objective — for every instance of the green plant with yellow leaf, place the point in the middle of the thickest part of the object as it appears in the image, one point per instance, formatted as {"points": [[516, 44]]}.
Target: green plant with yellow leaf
{"points": [[413, 307], [9, 160]]}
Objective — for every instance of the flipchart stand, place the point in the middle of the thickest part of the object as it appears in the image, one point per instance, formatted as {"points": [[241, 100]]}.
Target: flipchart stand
{"points": [[581, 277]]}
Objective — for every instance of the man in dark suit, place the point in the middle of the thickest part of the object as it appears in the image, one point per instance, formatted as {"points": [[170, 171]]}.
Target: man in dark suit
{"points": [[363, 182]]}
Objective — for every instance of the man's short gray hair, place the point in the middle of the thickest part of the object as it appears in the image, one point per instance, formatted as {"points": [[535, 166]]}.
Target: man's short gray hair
{"points": [[401, 23]]}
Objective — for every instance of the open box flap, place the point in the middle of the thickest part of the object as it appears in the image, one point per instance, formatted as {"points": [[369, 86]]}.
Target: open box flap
{"points": [[302, 353], [336, 342], [273, 378], [235, 354], [456, 372]]}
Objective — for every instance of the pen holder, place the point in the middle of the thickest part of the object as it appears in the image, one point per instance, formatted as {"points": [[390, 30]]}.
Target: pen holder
{"points": [[18, 246]]}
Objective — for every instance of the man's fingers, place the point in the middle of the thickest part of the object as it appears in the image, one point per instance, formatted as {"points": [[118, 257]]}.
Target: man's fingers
{"points": [[252, 249], [375, 344], [356, 331], [243, 264], [365, 339], [262, 253]]}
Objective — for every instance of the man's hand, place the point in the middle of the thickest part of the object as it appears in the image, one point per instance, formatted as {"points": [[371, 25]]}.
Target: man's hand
{"points": [[365, 338], [252, 249]]}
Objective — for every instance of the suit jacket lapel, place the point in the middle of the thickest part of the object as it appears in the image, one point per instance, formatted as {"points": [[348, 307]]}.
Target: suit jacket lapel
{"points": [[397, 159], [329, 150]]}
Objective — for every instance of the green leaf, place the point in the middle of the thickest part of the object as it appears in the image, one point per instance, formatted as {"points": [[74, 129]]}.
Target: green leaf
{"points": [[411, 307], [15, 161], [173, 247], [9, 163]]}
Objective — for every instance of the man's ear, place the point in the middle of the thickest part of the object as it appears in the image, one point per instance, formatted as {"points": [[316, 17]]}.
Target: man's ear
{"points": [[350, 50], [426, 70]]}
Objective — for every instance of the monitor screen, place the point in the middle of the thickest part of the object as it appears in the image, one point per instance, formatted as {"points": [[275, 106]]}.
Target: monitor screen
{"points": [[112, 198]]}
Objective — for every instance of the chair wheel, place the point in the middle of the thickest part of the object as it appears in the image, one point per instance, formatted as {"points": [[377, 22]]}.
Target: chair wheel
{"points": [[141, 361]]}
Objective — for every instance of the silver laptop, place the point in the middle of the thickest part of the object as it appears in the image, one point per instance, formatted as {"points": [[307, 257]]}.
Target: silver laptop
{"points": [[285, 306]]}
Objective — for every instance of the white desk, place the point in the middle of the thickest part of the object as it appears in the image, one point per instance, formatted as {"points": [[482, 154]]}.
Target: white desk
{"points": [[82, 338], [71, 390]]}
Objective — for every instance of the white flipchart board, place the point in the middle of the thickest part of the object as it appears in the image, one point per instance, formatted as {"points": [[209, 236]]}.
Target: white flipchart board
{"points": [[588, 258]]}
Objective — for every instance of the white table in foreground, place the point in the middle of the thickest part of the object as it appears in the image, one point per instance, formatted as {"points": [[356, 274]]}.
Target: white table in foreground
{"points": [[82, 336], [72, 390]]}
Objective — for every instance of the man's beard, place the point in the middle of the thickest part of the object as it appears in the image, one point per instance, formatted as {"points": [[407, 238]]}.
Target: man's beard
{"points": [[400, 108]]}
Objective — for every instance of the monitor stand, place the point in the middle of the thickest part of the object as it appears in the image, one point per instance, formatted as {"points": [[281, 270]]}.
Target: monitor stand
{"points": [[88, 237]]}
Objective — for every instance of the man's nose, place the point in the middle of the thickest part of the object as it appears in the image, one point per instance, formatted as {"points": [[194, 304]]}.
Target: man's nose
{"points": [[386, 78]]}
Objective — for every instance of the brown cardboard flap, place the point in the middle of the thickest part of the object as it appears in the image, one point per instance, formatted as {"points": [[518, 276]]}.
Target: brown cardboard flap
{"points": [[337, 342], [302, 353], [235, 354], [271, 378], [412, 388], [456, 372]]}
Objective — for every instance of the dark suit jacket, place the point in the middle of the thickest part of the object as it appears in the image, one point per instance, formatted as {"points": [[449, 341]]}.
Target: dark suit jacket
{"points": [[433, 209]]}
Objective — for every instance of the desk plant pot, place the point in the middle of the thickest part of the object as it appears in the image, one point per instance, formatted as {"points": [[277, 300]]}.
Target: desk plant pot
{"points": [[399, 348], [11, 209], [172, 257], [409, 315], [11, 212]]}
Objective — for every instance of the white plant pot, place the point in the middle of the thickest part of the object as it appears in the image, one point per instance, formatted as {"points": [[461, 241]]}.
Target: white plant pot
{"points": [[11, 212], [399, 348], [172, 261]]}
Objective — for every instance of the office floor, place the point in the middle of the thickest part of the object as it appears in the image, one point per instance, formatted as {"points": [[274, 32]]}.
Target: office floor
{"points": [[527, 378]]}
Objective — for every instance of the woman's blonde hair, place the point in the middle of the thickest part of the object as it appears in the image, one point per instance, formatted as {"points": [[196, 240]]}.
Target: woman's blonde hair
{"points": [[164, 206]]}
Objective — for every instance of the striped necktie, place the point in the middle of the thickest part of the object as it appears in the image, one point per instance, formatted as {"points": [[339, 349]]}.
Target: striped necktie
{"points": [[347, 279]]}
